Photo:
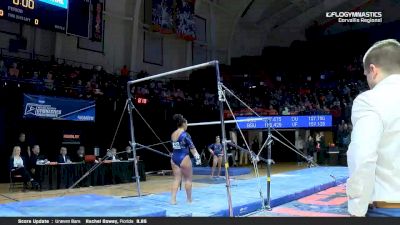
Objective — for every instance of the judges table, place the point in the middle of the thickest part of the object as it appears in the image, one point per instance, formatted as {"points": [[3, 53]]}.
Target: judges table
{"points": [[63, 175]]}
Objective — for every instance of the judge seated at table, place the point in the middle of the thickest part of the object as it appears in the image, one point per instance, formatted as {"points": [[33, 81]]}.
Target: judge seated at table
{"points": [[17, 166], [128, 153], [112, 155], [80, 155], [36, 159], [63, 157]]}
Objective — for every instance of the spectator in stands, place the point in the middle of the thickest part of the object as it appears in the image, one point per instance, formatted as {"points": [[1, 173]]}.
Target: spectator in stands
{"points": [[178, 95], [243, 159], [346, 138], [272, 111], [310, 146], [339, 136], [17, 166], [142, 74], [125, 71], [80, 155], [326, 110], [347, 110], [35, 76], [255, 145], [3, 69], [234, 152], [320, 139], [97, 91], [80, 89], [24, 146], [49, 82], [63, 157], [299, 144], [14, 71], [285, 111]]}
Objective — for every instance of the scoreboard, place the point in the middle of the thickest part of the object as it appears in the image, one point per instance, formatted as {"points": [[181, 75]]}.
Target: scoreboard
{"points": [[66, 16], [285, 122]]}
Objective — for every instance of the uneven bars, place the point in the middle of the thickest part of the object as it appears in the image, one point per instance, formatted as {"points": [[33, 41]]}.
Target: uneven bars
{"points": [[226, 121], [211, 63]]}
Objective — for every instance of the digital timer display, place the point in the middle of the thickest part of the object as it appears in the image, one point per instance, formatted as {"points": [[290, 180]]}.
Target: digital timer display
{"points": [[30, 4]]}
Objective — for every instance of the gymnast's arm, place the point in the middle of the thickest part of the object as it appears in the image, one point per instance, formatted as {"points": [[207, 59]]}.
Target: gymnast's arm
{"points": [[191, 146], [210, 149]]}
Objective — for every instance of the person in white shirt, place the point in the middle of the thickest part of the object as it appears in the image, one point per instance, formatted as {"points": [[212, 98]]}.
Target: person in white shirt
{"points": [[17, 166], [114, 155], [373, 187]]}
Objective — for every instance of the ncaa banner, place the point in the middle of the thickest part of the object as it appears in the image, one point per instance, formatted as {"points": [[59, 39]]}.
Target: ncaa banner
{"points": [[57, 108]]}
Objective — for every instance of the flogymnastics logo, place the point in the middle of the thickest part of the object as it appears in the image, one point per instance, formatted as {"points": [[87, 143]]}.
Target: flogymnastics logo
{"points": [[46, 111], [356, 17]]}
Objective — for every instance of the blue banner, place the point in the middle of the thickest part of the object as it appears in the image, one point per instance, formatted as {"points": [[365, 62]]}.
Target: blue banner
{"points": [[56, 108], [97, 23], [185, 23], [162, 16]]}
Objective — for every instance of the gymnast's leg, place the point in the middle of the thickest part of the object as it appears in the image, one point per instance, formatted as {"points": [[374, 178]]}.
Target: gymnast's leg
{"points": [[219, 165], [215, 161], [177, 180], [187, 172]]}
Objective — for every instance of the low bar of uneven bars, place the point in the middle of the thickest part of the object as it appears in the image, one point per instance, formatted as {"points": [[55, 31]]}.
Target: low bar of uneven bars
{"points": [[153, 150], [246, 150], [211, 63], [226, 121]]}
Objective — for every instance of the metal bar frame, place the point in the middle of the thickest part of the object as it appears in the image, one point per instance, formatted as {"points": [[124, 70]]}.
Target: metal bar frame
{"points": [[214, 63]]}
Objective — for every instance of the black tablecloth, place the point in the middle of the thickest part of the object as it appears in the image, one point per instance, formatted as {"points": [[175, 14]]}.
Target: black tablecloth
{"points": [[64, 175]]}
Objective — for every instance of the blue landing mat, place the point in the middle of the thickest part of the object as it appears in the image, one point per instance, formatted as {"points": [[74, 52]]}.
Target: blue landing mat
{"points": [[207, 201], [208, 180], [233, 171], [79, 206]]}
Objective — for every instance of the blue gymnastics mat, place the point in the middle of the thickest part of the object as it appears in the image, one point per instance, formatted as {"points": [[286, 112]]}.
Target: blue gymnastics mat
{"points": [[207, 201], [233, 171], [79, 206]]}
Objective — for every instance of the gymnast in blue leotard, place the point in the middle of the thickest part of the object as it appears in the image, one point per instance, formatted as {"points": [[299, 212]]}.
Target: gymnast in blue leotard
{"points": [[181, 147], [217, 153], [180, 161]]}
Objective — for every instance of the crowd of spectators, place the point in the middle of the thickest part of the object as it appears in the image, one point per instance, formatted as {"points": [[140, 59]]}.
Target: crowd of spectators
{"points": [[307, 95], [58, 79], [329, 92]]}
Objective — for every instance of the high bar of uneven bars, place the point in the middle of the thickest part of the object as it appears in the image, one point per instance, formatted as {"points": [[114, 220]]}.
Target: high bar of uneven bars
{"points": [[226, 121], [211, 63]]}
